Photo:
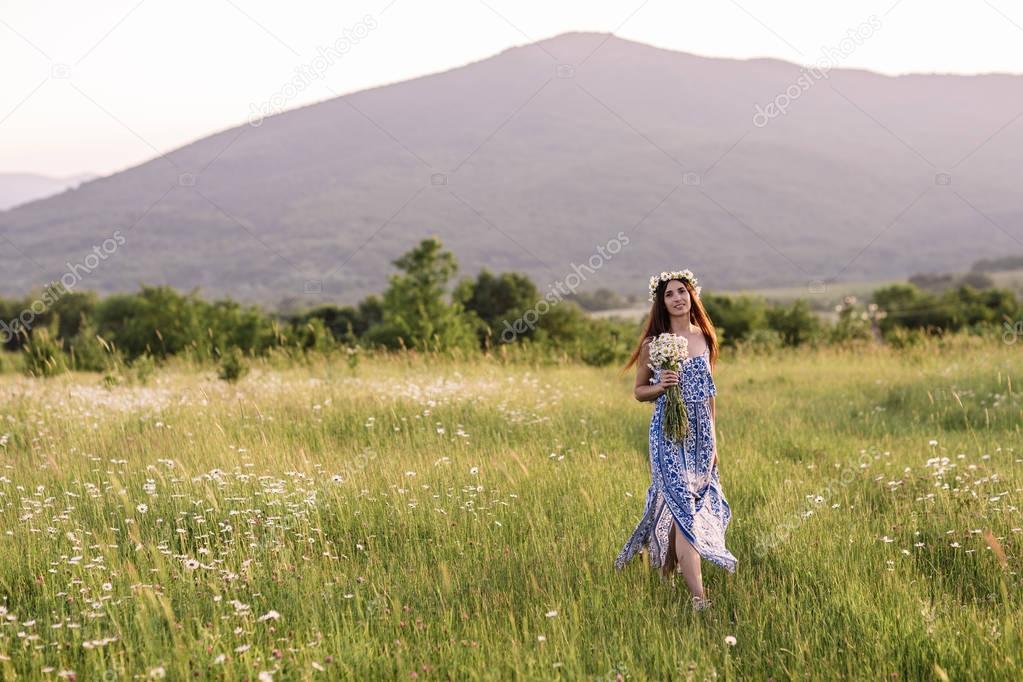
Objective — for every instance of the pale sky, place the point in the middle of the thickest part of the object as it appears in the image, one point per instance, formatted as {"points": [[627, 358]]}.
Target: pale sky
{"points": [[104, 85]]}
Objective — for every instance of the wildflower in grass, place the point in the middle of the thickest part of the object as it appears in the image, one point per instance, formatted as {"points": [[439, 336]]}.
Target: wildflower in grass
{"points": [[191, 564], [552, 614], [955, 544], [730, 640], [142, 508], [269, 615], [474, 470]]}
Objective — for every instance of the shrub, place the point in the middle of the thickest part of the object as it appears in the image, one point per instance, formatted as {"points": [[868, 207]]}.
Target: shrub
{"points": [[232, 366], [90, 352], [737, 317], [352, 354], [313, 336], [143, 368], [44, 355], [603, 348], [796, 324], [762, 340], [853, 323]]}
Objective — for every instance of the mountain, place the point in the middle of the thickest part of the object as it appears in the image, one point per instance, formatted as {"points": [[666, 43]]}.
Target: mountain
{"points": [[532, 159], [21, 188]]}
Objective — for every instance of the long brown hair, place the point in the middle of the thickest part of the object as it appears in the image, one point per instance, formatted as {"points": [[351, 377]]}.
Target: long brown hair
{"points": [[659, 322]]}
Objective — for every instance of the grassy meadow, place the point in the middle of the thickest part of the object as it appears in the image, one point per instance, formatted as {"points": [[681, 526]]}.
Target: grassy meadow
{"points": [[430, 518]]}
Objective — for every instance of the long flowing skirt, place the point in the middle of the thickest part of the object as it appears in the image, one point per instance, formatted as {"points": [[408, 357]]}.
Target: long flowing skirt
{"points": [[685, 488]]}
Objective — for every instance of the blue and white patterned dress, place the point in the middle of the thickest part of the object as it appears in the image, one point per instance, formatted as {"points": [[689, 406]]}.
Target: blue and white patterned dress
{"points": [[684, 486]]}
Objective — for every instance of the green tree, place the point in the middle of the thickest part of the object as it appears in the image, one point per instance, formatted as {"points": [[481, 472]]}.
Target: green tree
{"points": [[71, 309], [89, 351], [906, 305], [228, 324], [158, 321], [346, 323], [498, 302], [796, 323], [415, 305], [737, 317]]}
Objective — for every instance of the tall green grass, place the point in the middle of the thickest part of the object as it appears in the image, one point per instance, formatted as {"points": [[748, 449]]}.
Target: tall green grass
{"points": [[433, 518]]}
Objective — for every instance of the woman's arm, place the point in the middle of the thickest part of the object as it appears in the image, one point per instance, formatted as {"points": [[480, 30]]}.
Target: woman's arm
{"points": [[644, 390]]}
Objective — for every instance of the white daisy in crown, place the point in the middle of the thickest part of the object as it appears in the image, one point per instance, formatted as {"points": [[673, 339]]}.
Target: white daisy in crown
{"points": [[681, 275]]}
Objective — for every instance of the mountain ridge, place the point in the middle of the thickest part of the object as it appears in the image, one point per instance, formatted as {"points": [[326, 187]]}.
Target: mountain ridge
{"points": [[505, 158]]}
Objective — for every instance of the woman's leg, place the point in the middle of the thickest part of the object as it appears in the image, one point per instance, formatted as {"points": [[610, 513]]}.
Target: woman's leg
{"points": [[689, 562]]}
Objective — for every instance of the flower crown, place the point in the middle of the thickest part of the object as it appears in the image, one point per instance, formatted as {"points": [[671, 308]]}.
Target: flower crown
{"points": [[681, 275]]}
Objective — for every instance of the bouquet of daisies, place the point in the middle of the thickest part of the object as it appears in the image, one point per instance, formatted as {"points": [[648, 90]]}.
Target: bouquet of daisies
{"points": [[668, 351]]}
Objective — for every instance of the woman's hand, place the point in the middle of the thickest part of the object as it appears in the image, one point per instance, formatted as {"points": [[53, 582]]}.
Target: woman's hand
{"points": [[669, 377]]}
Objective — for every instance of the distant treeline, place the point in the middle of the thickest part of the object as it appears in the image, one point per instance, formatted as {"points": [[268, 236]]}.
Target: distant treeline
{"points": [[1003, 264], [59, 330]]}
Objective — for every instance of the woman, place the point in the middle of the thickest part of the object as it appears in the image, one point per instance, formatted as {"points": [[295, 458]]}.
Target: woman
{"points": [[686, 512]]}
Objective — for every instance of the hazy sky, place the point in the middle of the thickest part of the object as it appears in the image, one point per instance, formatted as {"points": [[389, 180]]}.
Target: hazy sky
{"points": [[104, 85]]}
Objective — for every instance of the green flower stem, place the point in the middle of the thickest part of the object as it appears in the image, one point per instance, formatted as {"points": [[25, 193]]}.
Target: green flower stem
{"points": [[676, 419]]}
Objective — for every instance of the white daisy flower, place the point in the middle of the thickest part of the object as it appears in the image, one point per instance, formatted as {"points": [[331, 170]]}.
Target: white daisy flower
{"points": [[681, 275]]}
